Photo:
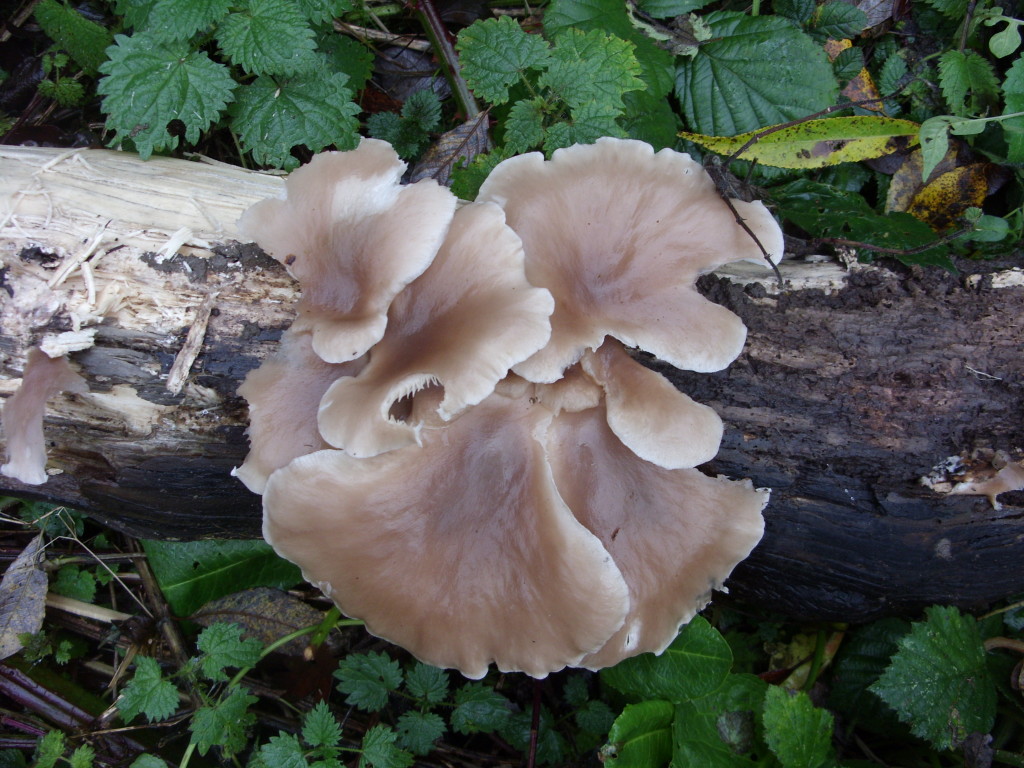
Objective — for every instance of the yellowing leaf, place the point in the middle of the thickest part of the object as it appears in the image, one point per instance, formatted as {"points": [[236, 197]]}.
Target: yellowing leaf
{"points": [[943, 200], [860, 88], [818, 143]]}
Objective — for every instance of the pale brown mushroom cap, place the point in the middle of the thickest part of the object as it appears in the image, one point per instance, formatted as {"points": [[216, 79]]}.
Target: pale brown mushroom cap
{"points": [[619, 234], [284, 395], [23, 413], [462, 324], [674, 534], [650, 416], [460, 551], [353, 237]]}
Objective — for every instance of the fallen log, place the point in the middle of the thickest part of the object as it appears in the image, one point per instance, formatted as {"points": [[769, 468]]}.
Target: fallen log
{"points": [[855, 383]]}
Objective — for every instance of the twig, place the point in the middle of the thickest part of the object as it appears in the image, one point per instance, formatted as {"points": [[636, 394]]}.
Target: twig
{"points": [[438, 35], [895, 251]]}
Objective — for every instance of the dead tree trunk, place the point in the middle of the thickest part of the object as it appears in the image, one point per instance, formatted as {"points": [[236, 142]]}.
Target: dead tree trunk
{"points": [[854, 384]]}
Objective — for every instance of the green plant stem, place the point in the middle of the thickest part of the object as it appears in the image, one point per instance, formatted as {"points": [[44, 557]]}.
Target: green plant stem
{"points": [[188, 755], [1008, 758], [438, 36], [755, 8], [817, 661]]}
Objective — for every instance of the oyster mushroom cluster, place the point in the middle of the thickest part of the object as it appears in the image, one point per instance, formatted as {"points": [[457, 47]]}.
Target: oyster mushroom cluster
{"points": [[453, 442]]}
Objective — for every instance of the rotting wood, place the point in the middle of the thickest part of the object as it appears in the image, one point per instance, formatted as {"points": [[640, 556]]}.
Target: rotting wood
{"points": [[854, 384]]}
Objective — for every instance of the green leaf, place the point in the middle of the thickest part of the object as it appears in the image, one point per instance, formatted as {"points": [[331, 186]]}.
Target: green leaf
{"points": [[650, 118], [82, 757], [148, 85], [192, 573], [595, 717], [934, 138], [576, 692], [755, 71], [641, 736], [75, 583], [172, 20], [591, 67], [380, 751], [524, 125], [816, 143], [863, 656], [667, 9], [85, 41], [938, 681], [495, 53], [797, 732], [147, 693], [696, 664], [426, 683], [349, 56], [225, 723], [1013, 128], [839, 20], [49, 749], [848, 64], [479, 709], [314, 111], [323, 11], [148, 761], [720, 730], [799, 11], [954, 9], [417, 731], [551, 746], [423, 110], [283, 751], [890, 77], [320, 728], [962, 73], [222, 646], [268, 37], [586, 125], [367, 679]]}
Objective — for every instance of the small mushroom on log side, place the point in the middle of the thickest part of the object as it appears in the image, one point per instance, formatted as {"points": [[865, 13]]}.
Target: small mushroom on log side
{"points": [[853, 384]]}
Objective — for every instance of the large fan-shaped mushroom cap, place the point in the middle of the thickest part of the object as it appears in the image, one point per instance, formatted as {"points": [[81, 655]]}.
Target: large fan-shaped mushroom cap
{"points": [[619, 234]]}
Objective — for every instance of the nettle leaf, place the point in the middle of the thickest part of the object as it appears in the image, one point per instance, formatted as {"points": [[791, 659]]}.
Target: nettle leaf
{"points": [[82, 757], [524, 125], [311, 110], [495, 53], [591, 67], [839, 20], [966, 72], [75, 583], [720, 730], [586, 125], [640, 736], [380, 751], [954, 9], [595, 717], [796, 731], [863, 656], [323, 11], [650, 118], [49, 749], [848, 64], [148, 84], [368, 679], [694, 665], [426, 683], [479, 709], [1013, 128], [417, 731], [816, 143], [320, 728], [891, 75], [268, 37], [938, 681], [146, 760], [85, 41], [222, 646], [349, 56], [283, 751], [147, 693], [755, 71], [171, 20], [225, 723]]}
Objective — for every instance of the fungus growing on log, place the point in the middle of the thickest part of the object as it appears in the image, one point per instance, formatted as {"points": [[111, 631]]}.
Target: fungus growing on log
{"points": [[540, 519]]}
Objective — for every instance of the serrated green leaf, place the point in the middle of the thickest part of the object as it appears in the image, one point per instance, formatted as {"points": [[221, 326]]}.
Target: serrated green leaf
{"points": [[323, 11], [755, 71], [312, 111], [147, 85], [225, 723], [595, 717], [479, 709], [283, 751], [938, 681], [147, 693], [148, 761], [423, 109], [380, 751], [320, 728], [890, 77], [797, 732], [268, 37], [367, 679], [417, 731], [222, 646], [963, 73], [1013, 128], [816, 143], [650, 118], [192, 573], [348, 56], [695, 664], [172, 20], [73, 582], [591, 67], [839, 20], [799, 11], [576, 692], [641, 737], [495, 53], [848, 64], [82, 757], [524, 125], [863, 656], [426, 683], [49, 749], [135, 12], [551, 746], [720, 730], [954, 9], [586, 125], [84, 40]]}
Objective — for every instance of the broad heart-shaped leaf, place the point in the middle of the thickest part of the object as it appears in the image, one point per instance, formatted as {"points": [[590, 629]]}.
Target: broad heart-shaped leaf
{"points": [[694, 665], [1013, 128], [148, 84], [591, 67], [495, 53], [938, 681], [641, 736], [312, 110], [171, 20], [195, 572], [719, 730], [816, 143], [268, 37], [797, 732], [754, 71], [966, 72]]}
